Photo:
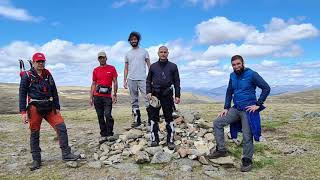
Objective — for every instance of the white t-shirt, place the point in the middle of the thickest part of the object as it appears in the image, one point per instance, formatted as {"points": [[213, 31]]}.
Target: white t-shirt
{"points": [[136, 59]]}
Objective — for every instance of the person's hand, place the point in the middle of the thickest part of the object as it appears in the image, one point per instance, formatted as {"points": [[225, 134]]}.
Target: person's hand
{"points": [[57, 110], [125, 84], [252, 108], [177, 100], [91, 101], [24, 118], [149, 95], [223, 113], [114, 99]]}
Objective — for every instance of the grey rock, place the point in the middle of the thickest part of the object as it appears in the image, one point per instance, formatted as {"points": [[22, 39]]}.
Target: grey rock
{"points": [[224, 161], [141, 157], [185, 168], [72, 164], [161, 157], [95, 165], [153, 150], [127, 167]]}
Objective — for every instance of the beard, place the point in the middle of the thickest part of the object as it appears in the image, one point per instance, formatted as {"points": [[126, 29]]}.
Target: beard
{"points": [[134, 44], [240, 71]]}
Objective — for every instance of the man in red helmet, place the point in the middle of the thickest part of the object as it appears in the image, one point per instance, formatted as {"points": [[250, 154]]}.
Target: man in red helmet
{"points": [[43, 103]]}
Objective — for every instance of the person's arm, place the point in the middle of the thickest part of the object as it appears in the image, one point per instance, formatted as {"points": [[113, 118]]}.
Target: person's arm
{"points": [[176, 81], [125, 75], [115, 89], [148, 62], [92, 89], [263, 85], [228, 98], [23, 92], [54, 93], [149, 83], [147, 59]]}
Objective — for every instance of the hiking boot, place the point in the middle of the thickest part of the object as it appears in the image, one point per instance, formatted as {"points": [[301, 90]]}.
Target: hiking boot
{"points": [[171, 146], [246, 165], [35, 165], [112, 138], [103, 139], [70, 157], [135, 124], [215, 153], [154, 143]]}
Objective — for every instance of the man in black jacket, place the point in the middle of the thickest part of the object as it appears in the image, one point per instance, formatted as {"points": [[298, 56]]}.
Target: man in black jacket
{"points": [[162, 75], [38, 99]]}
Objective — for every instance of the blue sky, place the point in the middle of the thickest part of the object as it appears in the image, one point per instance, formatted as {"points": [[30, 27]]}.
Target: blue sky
{"points": [[278, 39]]}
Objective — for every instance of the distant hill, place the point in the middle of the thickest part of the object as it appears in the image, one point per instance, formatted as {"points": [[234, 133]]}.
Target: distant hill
{"points": [[77, 98], [218, 94]]}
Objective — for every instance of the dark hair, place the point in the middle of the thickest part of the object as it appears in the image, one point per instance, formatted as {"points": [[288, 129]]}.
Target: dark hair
{"points": [[136, 34], [235, 57]]}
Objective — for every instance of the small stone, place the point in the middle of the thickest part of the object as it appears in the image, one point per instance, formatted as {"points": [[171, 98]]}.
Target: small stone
{"points": [[182, 152], [209, 137], [161, 157], [185, 168], [192, 156], [82, 156], [141, 157], [95, 165], [102, 158], [227, 161], [96, 156], [166, 149], [135, 148], [153, 150], [203, 160], [72, 164]]}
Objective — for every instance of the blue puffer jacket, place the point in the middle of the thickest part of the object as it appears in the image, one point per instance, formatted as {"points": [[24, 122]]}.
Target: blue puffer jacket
{"points": [[242, 89]]}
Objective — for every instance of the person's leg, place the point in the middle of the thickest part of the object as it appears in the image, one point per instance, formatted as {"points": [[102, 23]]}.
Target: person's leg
{"points": [[108, 115], [248, 148], [99, 106], [35, 120], [134, 94], [154, 127], [56, 121], [142, 88], [218, 125], [166, 104]]}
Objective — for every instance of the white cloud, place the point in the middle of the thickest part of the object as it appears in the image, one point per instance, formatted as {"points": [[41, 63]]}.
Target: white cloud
{"points": [[220, 30], [216, 72], [279, 32], [268, 63], [19, 14], [156, 4], [246, 50]]}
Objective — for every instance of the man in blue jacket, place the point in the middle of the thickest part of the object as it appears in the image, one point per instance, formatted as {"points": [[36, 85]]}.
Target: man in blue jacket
{"points": [[242, 89]]}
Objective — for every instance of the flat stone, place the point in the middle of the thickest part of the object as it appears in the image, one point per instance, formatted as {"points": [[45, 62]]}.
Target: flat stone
{"points": [[185, 168], [127, 167], [161, 157], [95, 165], [227, 161], [141, 157], [153, 150], [203, 160], [72, 164], [136, 148]]}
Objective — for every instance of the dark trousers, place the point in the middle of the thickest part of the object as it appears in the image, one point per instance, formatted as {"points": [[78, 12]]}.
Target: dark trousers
{"points": [[103, 106], [166, 105]]}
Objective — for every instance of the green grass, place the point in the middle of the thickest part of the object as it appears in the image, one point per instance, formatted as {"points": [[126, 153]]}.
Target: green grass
{"points": [[305, 137], [263, 162]]}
